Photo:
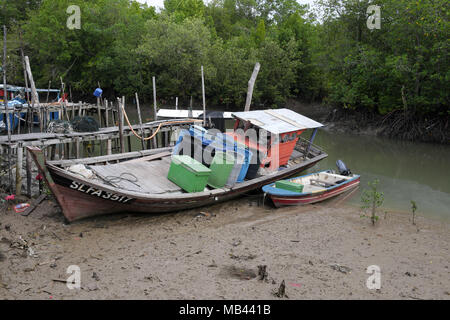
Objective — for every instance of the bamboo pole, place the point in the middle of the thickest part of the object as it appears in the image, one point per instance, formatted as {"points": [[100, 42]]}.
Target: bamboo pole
{"points": [[154, 99]]}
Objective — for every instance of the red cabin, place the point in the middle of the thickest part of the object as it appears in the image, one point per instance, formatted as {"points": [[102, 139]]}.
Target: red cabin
{"points": [[273, 132]]}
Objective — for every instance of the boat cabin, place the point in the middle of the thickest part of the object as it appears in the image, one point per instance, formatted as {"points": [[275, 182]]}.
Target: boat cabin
{"points": [[274, 133]]}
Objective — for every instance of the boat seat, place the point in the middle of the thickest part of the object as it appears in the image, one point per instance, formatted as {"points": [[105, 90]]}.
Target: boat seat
{"points": [[318, 182]]}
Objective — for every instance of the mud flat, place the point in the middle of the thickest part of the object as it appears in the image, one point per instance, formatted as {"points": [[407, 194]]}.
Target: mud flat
{"points": [[320, 251]]}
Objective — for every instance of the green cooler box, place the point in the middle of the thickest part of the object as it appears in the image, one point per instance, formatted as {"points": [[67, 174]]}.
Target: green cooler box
{"points": [[188, 173], [290, 186], [221, 167]]}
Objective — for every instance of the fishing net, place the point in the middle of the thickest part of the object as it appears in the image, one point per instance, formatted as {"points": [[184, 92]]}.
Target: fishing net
{"points": [[59, 126], [85, 124]]}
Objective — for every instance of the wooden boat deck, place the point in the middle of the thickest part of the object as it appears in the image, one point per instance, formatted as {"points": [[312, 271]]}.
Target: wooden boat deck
{"points": [[144, 176]]}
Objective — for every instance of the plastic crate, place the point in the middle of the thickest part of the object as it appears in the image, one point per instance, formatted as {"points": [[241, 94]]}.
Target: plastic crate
{"points": [[239, 160], [188, 174], [221, 167], [225, 142], [201, 133], [189, 146]]}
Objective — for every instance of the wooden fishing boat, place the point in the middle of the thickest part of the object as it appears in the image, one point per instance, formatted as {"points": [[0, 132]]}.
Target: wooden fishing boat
{"points": [[137, 181], [317, 187]]}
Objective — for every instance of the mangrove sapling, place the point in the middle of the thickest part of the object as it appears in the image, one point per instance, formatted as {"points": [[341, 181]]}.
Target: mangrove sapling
{"points": [[413, 210], [372, 199]]}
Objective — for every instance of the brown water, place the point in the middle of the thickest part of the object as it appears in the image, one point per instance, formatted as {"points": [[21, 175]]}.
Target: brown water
{"points": [[406, 170]]}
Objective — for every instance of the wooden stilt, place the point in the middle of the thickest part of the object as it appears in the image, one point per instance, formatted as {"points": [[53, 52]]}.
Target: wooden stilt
{"points": [[99, 113], [29, 178], [120, 113], [106, 113], [109, 147], [140, 121], [19, 164]]}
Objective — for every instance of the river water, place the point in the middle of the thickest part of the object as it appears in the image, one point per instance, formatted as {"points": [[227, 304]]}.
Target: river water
{"points": [[406, 170]]}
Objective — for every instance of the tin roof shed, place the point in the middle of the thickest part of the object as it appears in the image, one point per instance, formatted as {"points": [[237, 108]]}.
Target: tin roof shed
{"points": [[278, 121]]}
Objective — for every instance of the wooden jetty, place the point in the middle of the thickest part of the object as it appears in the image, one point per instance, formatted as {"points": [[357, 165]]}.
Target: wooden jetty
{"points": [[67, 146]]}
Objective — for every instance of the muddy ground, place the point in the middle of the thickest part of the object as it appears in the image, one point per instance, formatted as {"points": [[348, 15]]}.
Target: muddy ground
{"points": [[320, 251]]}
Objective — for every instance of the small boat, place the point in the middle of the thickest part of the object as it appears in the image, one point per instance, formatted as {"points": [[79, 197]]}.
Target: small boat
{"points": [[138, 181], [314, 187]]}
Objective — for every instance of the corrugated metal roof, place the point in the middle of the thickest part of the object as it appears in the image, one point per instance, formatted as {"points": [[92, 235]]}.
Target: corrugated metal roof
{"points": [[173, 114], [278, 121]]}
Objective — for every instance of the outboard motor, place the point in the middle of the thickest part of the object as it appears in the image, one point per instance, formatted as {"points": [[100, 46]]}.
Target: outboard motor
{"points": [[343, 168]]}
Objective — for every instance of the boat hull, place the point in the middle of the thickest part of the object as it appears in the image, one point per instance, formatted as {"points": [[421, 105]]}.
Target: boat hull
{"points": [[80, 198], [282, 201]]}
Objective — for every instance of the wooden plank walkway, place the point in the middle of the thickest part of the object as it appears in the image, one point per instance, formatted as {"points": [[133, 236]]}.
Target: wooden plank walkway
{"points": [[44, 139]]}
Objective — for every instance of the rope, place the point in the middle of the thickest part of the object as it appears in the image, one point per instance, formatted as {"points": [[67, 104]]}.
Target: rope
{"points": [[157, 130], [115, 179]]}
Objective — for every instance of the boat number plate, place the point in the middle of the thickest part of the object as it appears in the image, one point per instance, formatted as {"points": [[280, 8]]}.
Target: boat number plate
{"points": [[99, 193]]}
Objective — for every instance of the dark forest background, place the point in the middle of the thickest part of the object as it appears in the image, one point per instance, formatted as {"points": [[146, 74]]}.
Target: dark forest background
{"points": [[328, 55]]}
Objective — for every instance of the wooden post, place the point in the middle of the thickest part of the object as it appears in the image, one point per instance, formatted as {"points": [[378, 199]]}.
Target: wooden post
{"points": [[154, 99], [34, 96], [19, 165], [80, 108], [48, 91], [120, 113], [66, 150], [123, 115], [5, 101], [129, 143], [29, 116], [99, 113], [77, 148], [109, 147], [166, 137], [113, 116], [251, 84], [140, 121], [204, 100], [27, 95], [28, 159], [154, 140], [18, 122], [311, 140], [106, 113]]}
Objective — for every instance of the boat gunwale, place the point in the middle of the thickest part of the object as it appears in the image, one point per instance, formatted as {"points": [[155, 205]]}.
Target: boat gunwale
{"points": [[240, 187], [286, 193]]}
